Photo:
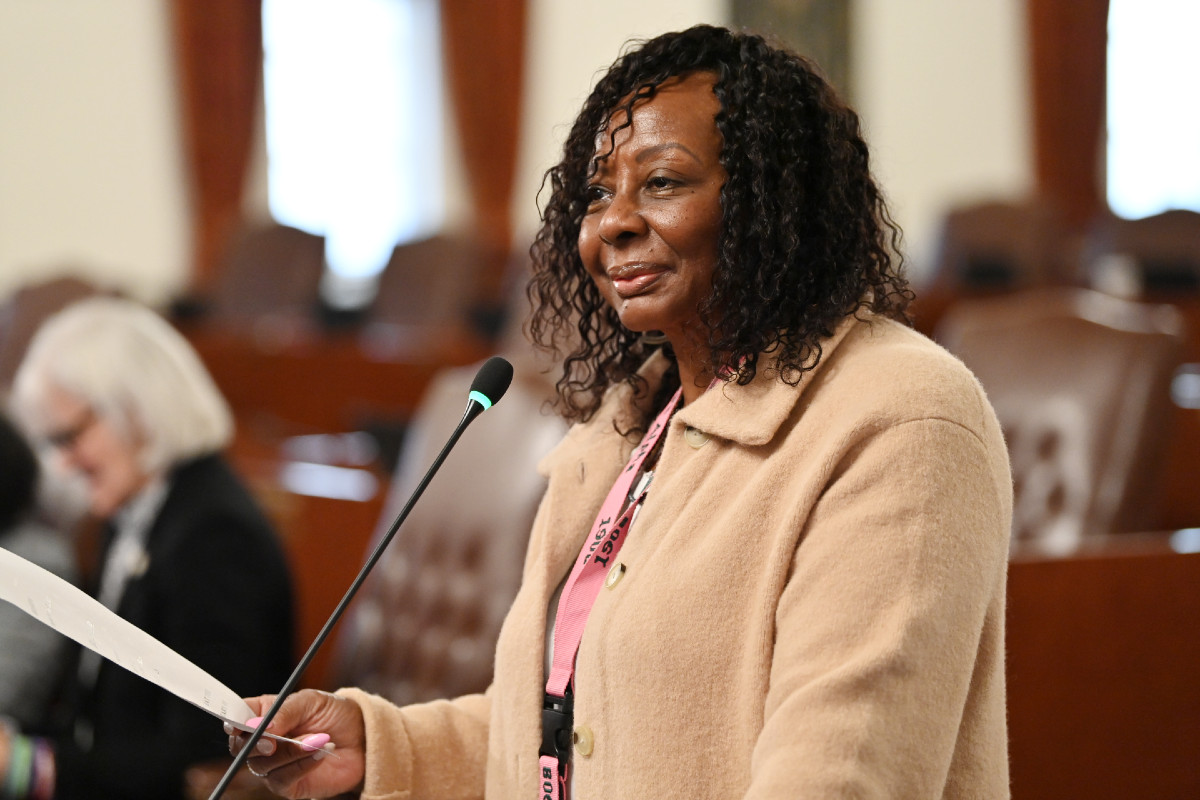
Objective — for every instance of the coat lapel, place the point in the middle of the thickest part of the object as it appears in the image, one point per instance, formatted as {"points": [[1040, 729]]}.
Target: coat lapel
{"points": [[752, 414]]}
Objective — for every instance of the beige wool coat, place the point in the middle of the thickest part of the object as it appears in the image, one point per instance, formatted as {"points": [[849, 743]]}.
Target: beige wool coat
{"points": [[812, 607]]}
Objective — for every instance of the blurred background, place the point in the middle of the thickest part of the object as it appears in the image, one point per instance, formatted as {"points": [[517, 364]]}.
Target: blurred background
{"points": [[99, 146], [333, 200]]}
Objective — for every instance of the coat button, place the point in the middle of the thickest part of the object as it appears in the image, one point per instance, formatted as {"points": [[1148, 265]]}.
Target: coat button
{"points": [[614, 575], [583, 740], [695, 437]]}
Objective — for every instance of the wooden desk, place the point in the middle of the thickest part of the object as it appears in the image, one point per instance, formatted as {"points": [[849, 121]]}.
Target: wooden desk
{"points": [[1104, 671], [285, 379]]}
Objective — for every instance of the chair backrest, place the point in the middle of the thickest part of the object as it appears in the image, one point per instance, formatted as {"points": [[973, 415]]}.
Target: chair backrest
{"points": [[425, 624], [1081, 384], [425, 282], [1002, 245], [1159, 253], [271, 274]]}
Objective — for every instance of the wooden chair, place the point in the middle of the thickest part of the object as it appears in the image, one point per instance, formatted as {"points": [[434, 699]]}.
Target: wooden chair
{"points": [[1080, 382]]}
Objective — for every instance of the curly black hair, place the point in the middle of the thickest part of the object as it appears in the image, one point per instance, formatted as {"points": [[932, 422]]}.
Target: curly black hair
{"points": [[806, 238]]}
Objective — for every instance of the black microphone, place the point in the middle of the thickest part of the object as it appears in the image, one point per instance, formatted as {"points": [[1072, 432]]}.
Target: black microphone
{"points": [[490, 384]]}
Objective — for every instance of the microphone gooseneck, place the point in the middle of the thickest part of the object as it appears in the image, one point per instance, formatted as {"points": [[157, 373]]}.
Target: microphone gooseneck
{"points": [[490, 384]]}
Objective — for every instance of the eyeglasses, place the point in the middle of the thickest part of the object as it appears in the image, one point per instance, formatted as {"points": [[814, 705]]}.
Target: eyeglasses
{"points": [[67, 438]]}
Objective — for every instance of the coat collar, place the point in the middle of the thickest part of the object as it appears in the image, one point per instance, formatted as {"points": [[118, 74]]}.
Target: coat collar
{"points": [[752, 414], [749, 415]]}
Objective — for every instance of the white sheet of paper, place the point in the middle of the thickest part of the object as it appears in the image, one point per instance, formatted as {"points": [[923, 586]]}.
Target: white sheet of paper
{"points": [[78, 616]]}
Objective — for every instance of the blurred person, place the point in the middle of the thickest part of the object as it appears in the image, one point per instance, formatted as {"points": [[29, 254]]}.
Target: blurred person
{"points": [[187, 554], [771, 558], [32, 655]]}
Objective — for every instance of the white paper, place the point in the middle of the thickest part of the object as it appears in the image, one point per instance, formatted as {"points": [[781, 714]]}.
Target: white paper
{"points": [[79, 616]]}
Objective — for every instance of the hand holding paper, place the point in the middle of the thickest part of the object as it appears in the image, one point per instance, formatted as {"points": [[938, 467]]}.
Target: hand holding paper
{"points": [[293, 773]]}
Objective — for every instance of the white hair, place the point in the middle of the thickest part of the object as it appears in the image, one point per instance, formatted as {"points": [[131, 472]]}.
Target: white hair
{"points": [[135, 371]]}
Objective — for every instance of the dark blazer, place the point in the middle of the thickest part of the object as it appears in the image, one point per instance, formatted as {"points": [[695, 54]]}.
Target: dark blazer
{"points": [[216, 589]]}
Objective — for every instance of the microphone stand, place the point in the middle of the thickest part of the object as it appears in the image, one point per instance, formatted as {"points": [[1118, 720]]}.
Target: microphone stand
{"points": [[474, 409]]}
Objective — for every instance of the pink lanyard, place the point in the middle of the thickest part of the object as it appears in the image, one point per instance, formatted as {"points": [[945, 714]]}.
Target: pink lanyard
{"points": [[578, 595]]}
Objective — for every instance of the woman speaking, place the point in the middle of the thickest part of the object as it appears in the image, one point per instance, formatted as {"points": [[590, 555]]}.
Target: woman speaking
{"points": [[771, 558]]}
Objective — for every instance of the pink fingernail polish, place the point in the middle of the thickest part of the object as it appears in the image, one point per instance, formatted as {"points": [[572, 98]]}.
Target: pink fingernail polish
{"points": [[315, 741], [253, 722]]}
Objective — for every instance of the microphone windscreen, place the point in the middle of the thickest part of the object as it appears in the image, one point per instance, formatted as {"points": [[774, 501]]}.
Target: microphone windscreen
{"points": [[492, 380]]}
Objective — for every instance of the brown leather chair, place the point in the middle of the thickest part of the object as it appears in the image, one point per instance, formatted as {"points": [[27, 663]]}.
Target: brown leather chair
{"points": [[1081, 384], [1160, 254], [425, 624], [425, 282], [1002, 245], [991, 247], [270, 276]]}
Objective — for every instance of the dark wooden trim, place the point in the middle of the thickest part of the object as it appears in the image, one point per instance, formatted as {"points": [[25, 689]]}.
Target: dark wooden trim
{"points": [[1068, 41]]}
